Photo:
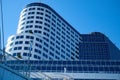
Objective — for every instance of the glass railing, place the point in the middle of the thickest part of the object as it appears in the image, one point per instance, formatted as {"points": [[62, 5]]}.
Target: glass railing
{"points": [[37, 68], [10, 61], [5, 60]]}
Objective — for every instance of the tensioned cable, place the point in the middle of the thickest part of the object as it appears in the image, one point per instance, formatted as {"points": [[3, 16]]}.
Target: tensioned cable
{"points": [[2, 29], [0, 38]]}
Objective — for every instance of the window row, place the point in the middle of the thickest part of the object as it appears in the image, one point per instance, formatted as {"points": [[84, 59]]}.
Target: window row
{"points": [[18, 55]]}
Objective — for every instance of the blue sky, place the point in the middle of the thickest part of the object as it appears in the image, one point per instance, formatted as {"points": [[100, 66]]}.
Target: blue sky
{"points": [[85, 16]]}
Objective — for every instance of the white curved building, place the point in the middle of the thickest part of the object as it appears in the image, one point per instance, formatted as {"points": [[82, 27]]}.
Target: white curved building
{"points": [[48, 35]]}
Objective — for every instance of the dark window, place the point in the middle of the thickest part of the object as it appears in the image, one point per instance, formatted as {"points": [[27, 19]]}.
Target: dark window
{"points": [[27, 37], [46, 39], [17, 37], [31, 8], [24, 54], [20, 42], [39, 57], [53, 25], [36, 26], [38, 17], [47, 16], [52, 54], [68, 54], [52, 38], [68, 40], [21, 28], [57, 57], [23, 19], [38, 8], [31, 13], [58, 33], [46, 50], [21, 36], [12, 39], [48, 11], [35, 56], [40, 13], [52, 48], [58, 52], [11, 44], [68, 36], [45, 55], [38, 45], [31, 37], [15, 48], [67, 45], [25, 10], [29, 26], [46, 29], [23, 23], [26, 48], [68, 28], [42, 9], [53, 16], [62, 56], [46, 34], [52, 28], [58, 47], [58, 24], [30, 17], [23, 15], [63, 24], [37, 39], [46, 24], [16, 42], [10, 49], [63, 46], [47, 20], [62, 51], [37, 31], [14, 54], [52, 33], [53, 20], [58, 37], [59, 20], [63, 41], [40, 22], [45, 44], [29, 22], [58, 29], [58, 42], [26, 42], [36, 50], [63, 32], [52, 43]]}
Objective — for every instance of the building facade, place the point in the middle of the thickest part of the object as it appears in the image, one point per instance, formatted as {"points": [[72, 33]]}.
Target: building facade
{"points": [[51, 37], [43, 34], [96, 46]]}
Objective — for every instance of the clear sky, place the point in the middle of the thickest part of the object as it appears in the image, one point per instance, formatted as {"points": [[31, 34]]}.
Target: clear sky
{"points": [[85, 16]]}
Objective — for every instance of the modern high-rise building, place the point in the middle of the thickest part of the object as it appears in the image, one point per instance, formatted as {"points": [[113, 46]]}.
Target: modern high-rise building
{"points": [[48, 35], [50, 48], [44, 35], [96, 46]]}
